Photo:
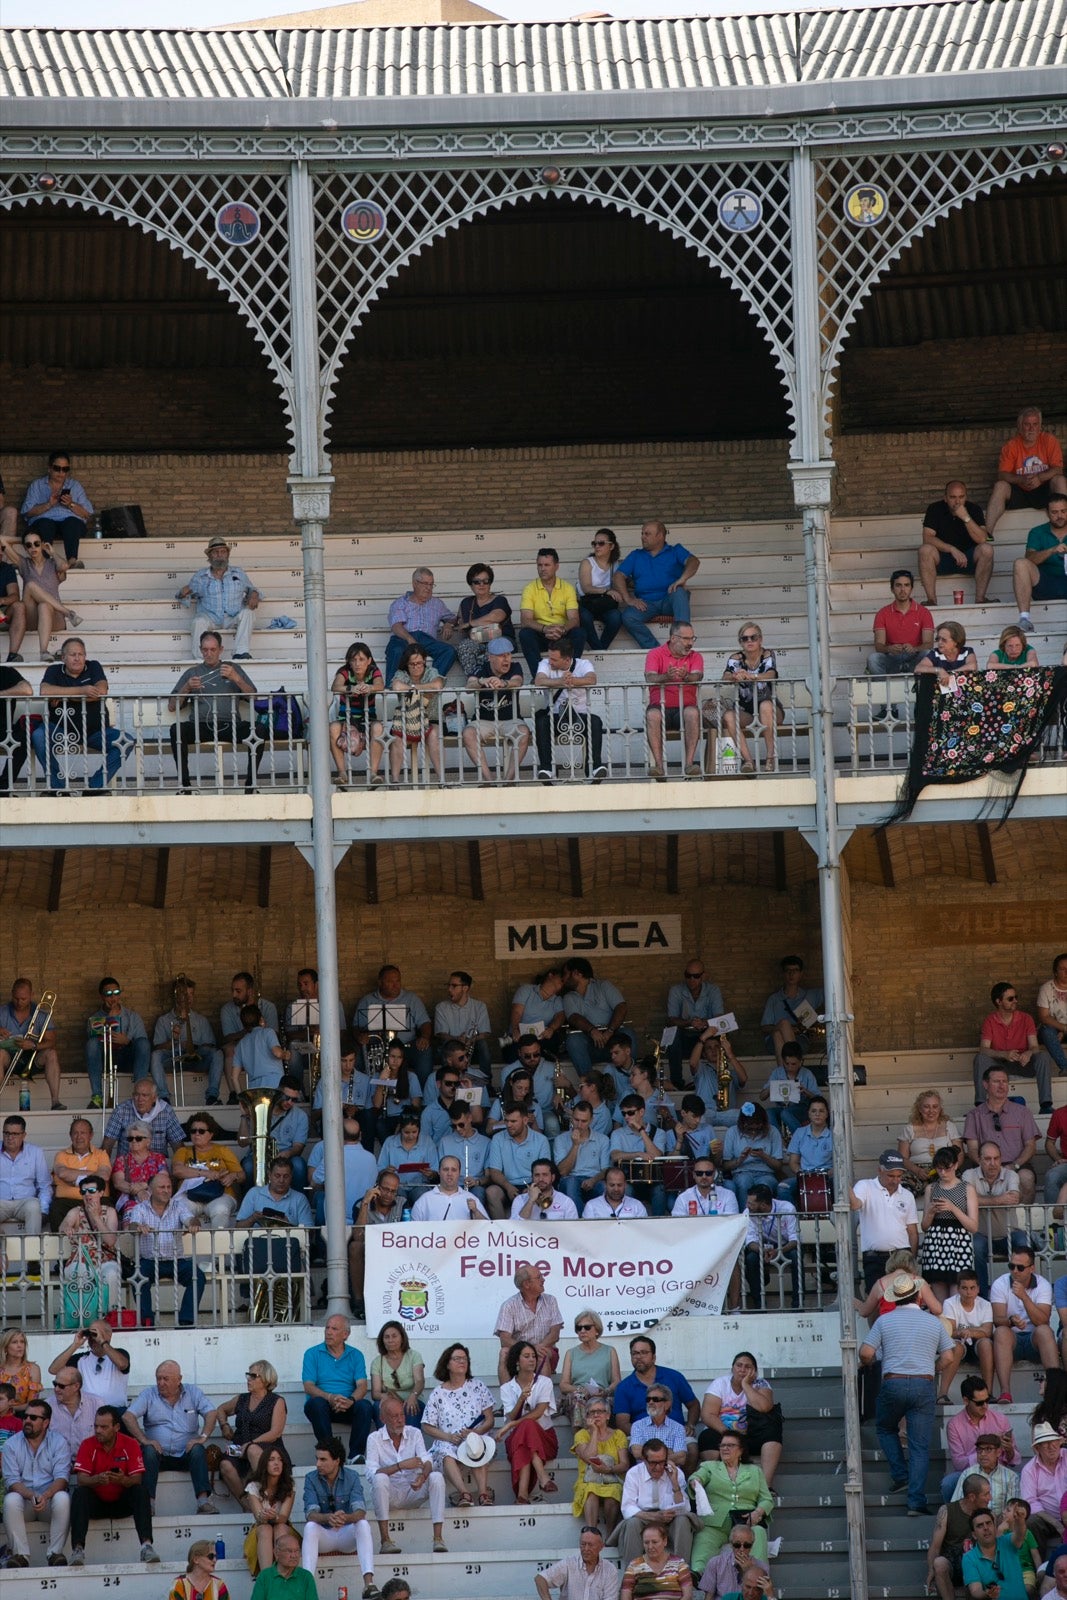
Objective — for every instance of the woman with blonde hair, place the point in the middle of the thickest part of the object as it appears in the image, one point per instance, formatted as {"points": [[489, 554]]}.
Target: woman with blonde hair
{"points": [[1013, 650], [24, 1376], [928, 1130], [200, 1582], [259, 1417], [754, 671]]}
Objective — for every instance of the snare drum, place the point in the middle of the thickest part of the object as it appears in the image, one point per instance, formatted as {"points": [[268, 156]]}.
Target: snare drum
{"points": [[675, 1172], [815, 1192]]}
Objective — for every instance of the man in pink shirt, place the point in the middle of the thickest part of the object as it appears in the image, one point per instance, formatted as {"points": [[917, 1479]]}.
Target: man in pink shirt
{"points": [[978, 1416], [903, 630], [673, 671], [1043, 1482], [1009, 1041]]}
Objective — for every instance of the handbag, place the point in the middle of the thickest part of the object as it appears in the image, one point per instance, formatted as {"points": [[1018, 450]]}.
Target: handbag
{"points": [[82, 1293], [211, 1189], [482, 632]]}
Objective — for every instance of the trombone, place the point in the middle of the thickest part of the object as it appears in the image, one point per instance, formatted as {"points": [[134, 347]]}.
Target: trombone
{"points": [[30, 1040], [179, 1058]]}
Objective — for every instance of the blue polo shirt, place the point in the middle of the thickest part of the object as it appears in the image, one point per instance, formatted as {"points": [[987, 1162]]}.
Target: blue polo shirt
{"points": [[514, 1158], [631, 1397], [816, 1155], [333, 1377], [653, 575]]}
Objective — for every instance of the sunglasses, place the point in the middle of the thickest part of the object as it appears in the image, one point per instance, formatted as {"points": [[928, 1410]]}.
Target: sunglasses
{"points": [[138, 1138], [583, 1327], [705, 1172], [750, 638], [32, 544], [694, 974], [741, 1544], [59, 466]]}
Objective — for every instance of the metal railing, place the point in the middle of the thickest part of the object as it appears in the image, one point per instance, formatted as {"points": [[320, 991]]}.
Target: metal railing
{"points": [[213, 1277], [611, 733]]}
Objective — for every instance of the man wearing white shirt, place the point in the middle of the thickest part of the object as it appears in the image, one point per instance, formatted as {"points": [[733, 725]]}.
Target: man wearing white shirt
{"points": [[543, 1202], [586, 1576], [1022, 1317], [448, 1201], [770, 1240], [569, 717], [705, 1198], [614, 1202], [888, 1218], [401, 1474], [654, 1493], [1059, 1573]]}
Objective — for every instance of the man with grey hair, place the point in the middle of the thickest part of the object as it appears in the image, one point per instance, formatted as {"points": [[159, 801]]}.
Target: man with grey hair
{"points": [[70, 726], [419, 618], [172, 1422], [531, 1316], [1029, 469], [672, 671], [585, 1576], [222, 597], [402, 1475], [74, 1412]]}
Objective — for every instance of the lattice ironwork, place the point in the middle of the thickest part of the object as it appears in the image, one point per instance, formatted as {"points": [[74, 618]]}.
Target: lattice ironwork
{"points": [[679, 198], [922, 186], [180, 211]]}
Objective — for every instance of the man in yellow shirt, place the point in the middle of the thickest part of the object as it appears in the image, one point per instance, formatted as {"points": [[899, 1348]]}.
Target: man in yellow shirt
{"points": [[549, 609]]}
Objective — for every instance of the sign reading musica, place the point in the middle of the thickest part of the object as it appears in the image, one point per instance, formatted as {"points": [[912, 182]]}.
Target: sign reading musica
{"points": [[450, 1278], [522, 940]]}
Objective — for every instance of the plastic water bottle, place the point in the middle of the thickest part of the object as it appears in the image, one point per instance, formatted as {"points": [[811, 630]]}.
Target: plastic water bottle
{"points": [[24, 1096], [405, 1215], [220, 1549]]}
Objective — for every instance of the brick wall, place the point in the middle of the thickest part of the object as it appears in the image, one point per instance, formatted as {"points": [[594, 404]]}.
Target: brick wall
{"points": [[210, 936], [877, 473], [926, 955], [941, 383]]}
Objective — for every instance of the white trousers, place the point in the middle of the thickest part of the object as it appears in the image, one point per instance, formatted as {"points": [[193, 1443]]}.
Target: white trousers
{"points": [[396, 1494], [354, 1536], [28, 1212], [242, 627], [56, 1514]]}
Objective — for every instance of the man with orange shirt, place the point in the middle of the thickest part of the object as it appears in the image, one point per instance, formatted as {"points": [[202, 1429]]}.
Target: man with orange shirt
{"points": [[1030, 468], [672, 664], [109, 1469]]}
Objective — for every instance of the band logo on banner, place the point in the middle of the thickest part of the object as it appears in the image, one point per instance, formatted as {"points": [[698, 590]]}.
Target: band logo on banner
{"points": [[449, 1279]]}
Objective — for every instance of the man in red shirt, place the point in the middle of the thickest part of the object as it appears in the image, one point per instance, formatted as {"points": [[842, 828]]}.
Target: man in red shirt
{"points": [[903, 630], [674, 663], [1030, 467], [109, 1469], [1009, 1041]]}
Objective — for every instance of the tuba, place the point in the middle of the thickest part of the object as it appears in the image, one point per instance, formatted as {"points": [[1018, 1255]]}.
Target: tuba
{"points": [[260, 1105], [22, 1060]]}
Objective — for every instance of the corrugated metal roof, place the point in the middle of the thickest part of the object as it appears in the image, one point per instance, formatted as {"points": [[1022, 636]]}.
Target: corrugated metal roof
{"points": [[138, 64], [579, 57]]}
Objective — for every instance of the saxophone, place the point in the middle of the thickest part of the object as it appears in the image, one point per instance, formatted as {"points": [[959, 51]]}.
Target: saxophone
{"points": [[723, 1075]]}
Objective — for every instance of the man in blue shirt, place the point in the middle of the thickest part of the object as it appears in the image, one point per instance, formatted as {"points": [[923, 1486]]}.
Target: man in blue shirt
{"points": [[36, 1466], [129, 1041], [374, 1013], [172, 1421], [631, 1396], [58, 507], [223, 597], [335, 1515], [274, 1204], [470, 1148], [334, 1376], [690, 1007], [993, 1560], [512, 1153], [653, 581]]}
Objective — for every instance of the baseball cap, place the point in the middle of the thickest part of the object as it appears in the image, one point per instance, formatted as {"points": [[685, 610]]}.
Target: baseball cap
{"points": [[891, 1161]]}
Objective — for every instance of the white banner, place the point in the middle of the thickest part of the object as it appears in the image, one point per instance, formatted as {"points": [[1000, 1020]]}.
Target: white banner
{"points": [[449, 1279]]}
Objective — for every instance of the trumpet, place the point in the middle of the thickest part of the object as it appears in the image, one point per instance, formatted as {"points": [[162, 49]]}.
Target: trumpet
{"points": [[22, 1060]]}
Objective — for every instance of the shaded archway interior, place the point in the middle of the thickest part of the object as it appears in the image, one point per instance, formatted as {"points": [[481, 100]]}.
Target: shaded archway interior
{"points": [[970, 322], [556, 323], [111, 339]]}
